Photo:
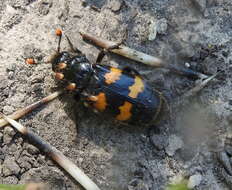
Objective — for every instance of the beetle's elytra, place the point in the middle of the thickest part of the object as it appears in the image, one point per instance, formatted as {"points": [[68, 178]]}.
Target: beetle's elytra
{"points": [[121, 93]]}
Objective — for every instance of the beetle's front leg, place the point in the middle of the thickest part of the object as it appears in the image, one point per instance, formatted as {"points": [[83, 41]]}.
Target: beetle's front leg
{"points": [[104, 51]]}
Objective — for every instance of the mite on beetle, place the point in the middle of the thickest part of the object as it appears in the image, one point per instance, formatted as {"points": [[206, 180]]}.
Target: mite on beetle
{"points": [[121, 93]]}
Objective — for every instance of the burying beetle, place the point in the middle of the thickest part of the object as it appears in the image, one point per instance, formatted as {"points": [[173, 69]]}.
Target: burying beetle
{"points": [[120, 93]]}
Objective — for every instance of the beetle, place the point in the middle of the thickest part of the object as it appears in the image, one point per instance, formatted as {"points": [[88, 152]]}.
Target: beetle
{"points": [[121, 93]]}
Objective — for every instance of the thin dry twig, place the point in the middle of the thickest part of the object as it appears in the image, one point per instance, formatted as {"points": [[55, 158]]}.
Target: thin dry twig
{"points": [[54, 154], [124, 51], [20, 113], [139, 56]]}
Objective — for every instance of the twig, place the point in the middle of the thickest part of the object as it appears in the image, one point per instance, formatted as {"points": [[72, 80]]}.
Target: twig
{"points": [[198, 87], [20, 113], [124, 51], [54, 154], [139, 56]]}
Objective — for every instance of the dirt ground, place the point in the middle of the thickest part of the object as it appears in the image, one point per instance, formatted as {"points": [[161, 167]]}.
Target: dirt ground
{"points": [[195, 33]]}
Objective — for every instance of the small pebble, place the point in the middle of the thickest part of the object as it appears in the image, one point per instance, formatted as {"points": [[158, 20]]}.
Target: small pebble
{"points": [[159, 141], [201, 4], [10, 180], [162, 26], [187, 65], [10, 167], [174, 143], [115, 5], [225, 161], [194, 181], [8, 110], [137, 184], [159, 26], [8, 133], [32, 149]]}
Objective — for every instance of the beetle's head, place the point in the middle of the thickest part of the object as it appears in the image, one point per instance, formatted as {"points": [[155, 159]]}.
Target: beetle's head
{"points": [[72, 71]]}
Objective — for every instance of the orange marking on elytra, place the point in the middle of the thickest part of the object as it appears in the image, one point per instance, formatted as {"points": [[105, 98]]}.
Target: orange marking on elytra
{"points": [[125, 112], [136, 88], [113, 75], [100, 103]]}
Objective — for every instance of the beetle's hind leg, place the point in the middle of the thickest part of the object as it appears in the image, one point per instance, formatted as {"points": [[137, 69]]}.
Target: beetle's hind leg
{"points": [[163, 110]]}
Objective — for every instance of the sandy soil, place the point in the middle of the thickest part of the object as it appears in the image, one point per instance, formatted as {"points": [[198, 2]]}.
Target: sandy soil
{"points": [[196, 33]]}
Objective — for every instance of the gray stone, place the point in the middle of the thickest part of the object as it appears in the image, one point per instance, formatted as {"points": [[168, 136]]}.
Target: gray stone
{"points": [[225, 161], [152, 31], [194, 181], [158, 26], [10, 180], [115, 5], [8, 133], [32, 149], [159, 141], [8, 109], [201, 4], [162, 26], [137, 184], [10, 167], [174, 143]]}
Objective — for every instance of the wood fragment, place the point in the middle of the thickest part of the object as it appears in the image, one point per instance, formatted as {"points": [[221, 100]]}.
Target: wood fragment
{"points": [[139, 56], [20, 113]]}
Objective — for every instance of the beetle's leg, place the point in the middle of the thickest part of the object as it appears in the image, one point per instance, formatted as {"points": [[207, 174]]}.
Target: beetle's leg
{"points": [[103, 52], [100, 56], [73, 49], [131, 71]]}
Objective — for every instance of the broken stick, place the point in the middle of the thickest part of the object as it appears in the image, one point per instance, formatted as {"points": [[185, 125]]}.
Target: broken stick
{"points": [[139, 56]]}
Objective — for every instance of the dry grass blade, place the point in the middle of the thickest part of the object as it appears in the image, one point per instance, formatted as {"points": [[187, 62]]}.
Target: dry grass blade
{"points": [[124, 51], [197, 88], [20, 113], [55, 154], [139, 56]]}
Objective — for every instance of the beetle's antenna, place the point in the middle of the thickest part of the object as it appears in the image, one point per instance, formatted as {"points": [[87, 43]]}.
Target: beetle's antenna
{"points": [[73, 49], [59, 33]]}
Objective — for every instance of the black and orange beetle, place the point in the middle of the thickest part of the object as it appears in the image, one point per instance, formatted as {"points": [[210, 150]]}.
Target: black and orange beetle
{"points": [[121, 93]]}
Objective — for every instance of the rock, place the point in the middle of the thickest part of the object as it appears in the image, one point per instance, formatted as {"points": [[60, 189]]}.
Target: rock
{"points": [[228, 149], [201, 4], [137, 184], [225, 161], [159, 26], [174, 143], [10, 167], [194, 181], [115, 5], [8, 133], [8, 109], [162, 26], [152, 31], [32, 149], [24, 162], [10, 180], [159, 141]]}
